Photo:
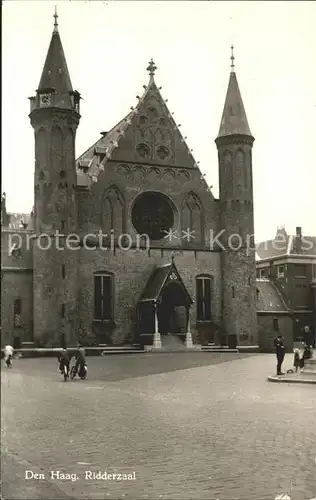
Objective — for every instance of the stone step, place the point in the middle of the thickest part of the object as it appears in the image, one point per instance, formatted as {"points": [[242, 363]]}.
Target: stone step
{"points": [[310, 366], [218, 349]]}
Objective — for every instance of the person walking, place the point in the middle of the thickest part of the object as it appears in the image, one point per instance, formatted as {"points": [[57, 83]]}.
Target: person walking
{"points": [[280, 353]]}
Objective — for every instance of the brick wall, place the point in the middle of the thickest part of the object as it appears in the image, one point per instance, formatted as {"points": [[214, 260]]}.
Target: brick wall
{"points": [[267, 334], [132, 270], [16, 284]]}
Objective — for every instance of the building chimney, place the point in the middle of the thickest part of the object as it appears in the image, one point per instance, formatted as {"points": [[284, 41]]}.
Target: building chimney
{"points": [[298, 240], [103, 134]]}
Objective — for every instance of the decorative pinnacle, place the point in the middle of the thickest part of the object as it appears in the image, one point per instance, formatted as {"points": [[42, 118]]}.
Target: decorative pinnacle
{"points": [[151, 67], [56, 17], [232, 58]]}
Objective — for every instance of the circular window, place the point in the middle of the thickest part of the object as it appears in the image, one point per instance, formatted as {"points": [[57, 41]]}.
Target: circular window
{"points": [[152, 214], [162, 152], [143, 150]]}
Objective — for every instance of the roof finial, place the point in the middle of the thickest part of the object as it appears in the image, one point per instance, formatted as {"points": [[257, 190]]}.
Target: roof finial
{"points": [[56, 17], [151, 67], [232, 58]]}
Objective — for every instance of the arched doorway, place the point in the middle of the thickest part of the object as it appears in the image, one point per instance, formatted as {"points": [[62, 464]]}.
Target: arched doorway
{"points": [[173, 309]]}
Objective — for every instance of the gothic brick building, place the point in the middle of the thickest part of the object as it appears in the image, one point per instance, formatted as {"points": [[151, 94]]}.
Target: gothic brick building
{"points": [[118, 248]]}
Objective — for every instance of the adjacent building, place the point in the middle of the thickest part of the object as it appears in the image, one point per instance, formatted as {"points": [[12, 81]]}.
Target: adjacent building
{"points": [[286, 266]]}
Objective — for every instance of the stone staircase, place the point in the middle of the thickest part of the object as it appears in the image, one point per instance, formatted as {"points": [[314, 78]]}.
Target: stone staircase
{"points": [[172, 343]]}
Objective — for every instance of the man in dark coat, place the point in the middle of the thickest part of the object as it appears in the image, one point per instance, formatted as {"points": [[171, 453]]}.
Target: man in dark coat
{"points": [[280, 353]]}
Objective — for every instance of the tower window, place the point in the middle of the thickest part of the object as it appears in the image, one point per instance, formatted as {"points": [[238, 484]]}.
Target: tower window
{"points": [[62, 224], [203, 298], [275, 324], [63, 271], [233, 292], [249, 281], [17, 309], [63, 310], [17, 306], [62, 174], [103, 297], [280, 271], [262, 273]]}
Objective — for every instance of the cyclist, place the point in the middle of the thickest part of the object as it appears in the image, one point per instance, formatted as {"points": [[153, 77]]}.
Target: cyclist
{"points": [[80, 358], [64, 360]]}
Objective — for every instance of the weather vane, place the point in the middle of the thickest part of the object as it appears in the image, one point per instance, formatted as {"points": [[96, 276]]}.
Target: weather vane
{"points": [[56, 17], [232, 58], [151, 67]]}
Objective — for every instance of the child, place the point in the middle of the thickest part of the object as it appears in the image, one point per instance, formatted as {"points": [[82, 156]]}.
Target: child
{"points": [[8, 355], [297, 361]]}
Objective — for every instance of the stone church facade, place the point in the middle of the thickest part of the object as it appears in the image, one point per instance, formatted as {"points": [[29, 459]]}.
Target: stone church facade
{"points": [[119, 247]]}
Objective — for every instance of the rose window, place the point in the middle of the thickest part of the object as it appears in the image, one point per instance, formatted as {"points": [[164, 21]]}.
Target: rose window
{"points": [[152, 214]]}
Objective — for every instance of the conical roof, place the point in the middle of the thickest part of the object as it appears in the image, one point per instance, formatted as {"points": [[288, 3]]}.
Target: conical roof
{"points": [[234, 118], [55, 73]]}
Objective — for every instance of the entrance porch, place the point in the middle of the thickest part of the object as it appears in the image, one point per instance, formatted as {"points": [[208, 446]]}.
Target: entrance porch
{"points": [[163, 312]]}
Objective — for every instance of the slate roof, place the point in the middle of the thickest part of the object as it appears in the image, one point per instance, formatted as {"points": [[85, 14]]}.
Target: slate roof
{"points": [[55, 73], [157, 281], [285, 245], [269, 298], [234, 118], [93, 160]]}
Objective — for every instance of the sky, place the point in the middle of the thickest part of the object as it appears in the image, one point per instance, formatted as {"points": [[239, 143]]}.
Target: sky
{"points": [[108, 46]]}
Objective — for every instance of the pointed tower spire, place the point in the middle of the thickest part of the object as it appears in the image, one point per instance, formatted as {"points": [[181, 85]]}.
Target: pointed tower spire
{"points": [[55, 75], [234, 119]]}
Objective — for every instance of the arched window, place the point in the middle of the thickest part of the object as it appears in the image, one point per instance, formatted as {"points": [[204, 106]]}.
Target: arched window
{"points": [[103, 296], [192, 217], [204, 284], [113, 212]]}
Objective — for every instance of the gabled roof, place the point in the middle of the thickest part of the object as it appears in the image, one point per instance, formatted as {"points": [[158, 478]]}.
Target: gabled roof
{"points": [[93, 161], [269, 299], [234, 118], [157, 281]]}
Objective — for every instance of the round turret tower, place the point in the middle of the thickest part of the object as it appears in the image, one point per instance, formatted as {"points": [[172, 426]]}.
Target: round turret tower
{"points": [[55, 118]]}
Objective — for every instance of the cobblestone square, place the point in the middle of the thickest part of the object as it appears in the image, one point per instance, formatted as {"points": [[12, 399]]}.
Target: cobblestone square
{"points": [[179, 426]]}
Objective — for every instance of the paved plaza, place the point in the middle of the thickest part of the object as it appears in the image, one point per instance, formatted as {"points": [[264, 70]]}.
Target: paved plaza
{"points": [[175, 426]]}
